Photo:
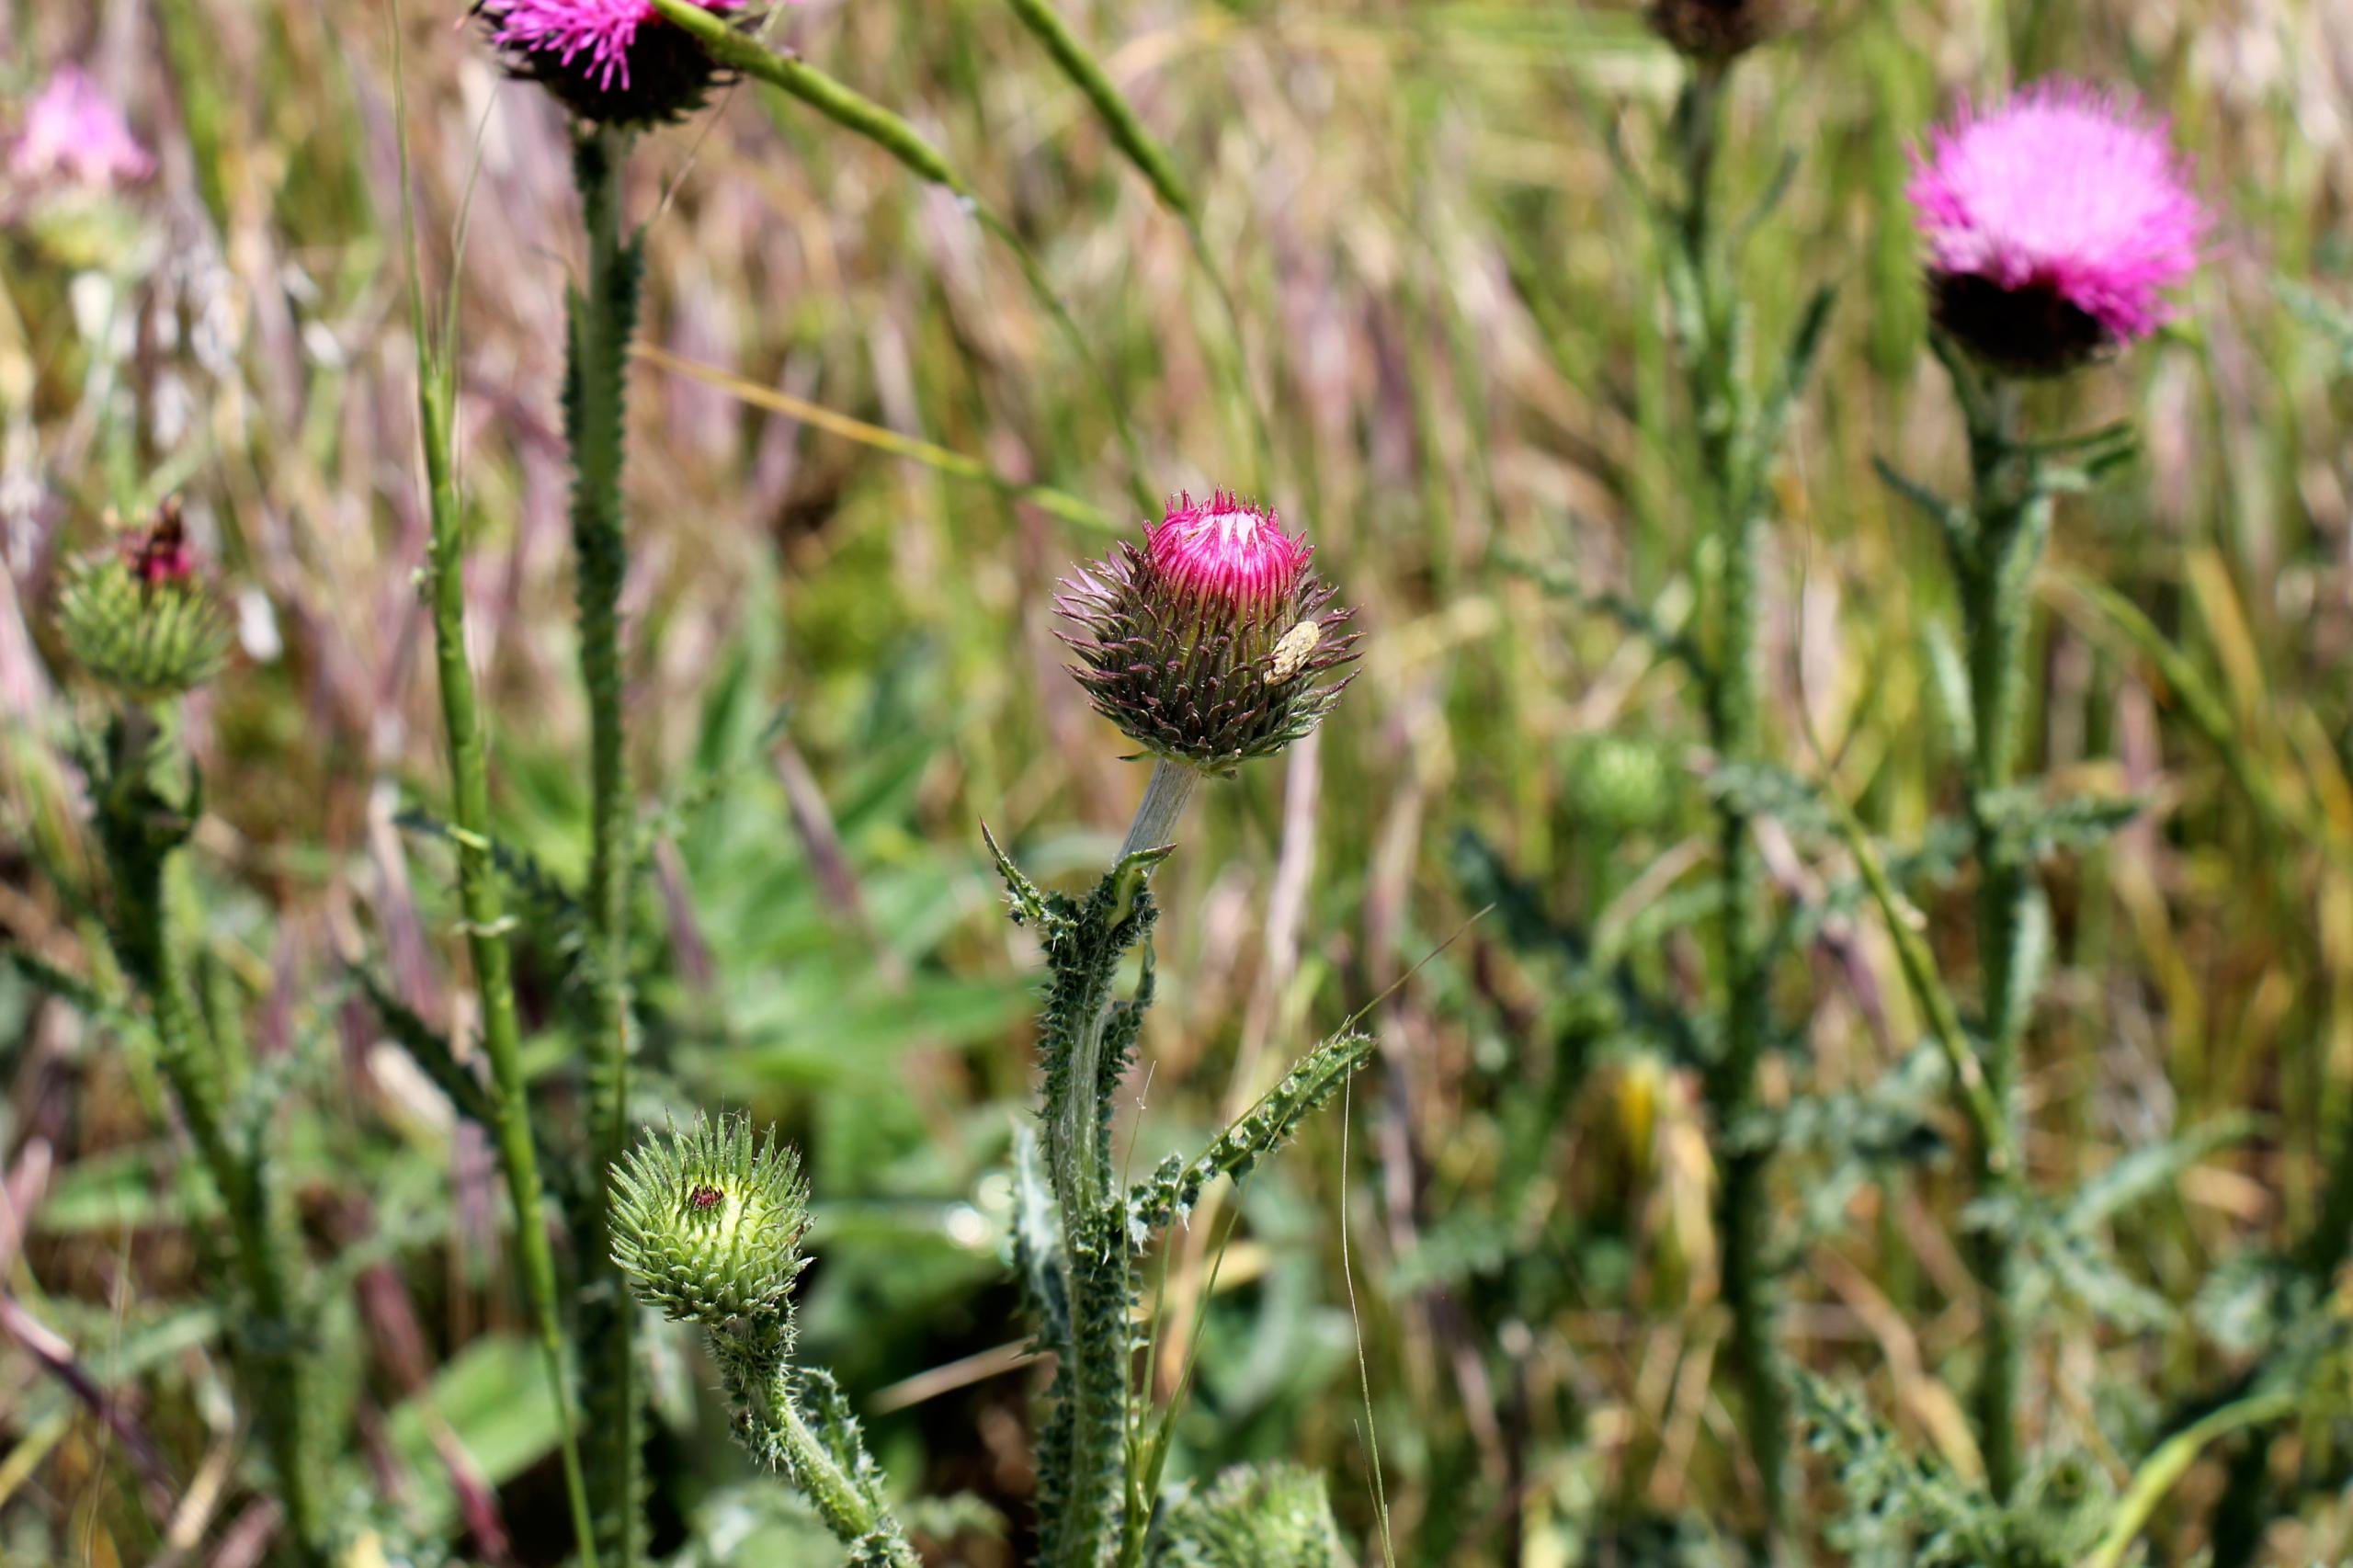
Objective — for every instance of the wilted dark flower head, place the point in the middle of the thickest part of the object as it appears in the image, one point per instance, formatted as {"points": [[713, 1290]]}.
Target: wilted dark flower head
{"points": [[610, 62], [136, 619], [1718, 30], [2055, 222], [708, 1222], [1212, 643]]}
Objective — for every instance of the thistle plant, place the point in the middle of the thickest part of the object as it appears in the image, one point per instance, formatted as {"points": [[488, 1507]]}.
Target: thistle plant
{"points": [[1212, 644], [146, 629], [2054, 223], [707, 1225], [1739, 414]]}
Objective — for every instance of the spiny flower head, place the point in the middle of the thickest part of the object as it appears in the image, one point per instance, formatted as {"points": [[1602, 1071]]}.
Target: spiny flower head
{"points": [[136, 619], [610, 62], [1214, 641], [708, 1222], [74, 135], [1717, 29], [2054, 224]]}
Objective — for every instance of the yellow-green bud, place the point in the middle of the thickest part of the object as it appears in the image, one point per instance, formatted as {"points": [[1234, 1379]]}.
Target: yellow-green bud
{"points": [[708, 1223]]}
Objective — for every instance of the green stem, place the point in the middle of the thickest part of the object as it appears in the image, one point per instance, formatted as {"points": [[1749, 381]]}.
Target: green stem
{"points": [[2167, 1465], [139, 849], [486, 943], [1994, 563], [603, 315], [755, 1364], [1729, 497]]}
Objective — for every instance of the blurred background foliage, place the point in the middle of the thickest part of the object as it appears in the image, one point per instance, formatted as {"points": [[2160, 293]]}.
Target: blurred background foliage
{"points": [[841, 661]]}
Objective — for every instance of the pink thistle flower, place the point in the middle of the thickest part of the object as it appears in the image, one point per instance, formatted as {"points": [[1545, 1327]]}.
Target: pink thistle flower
{"points": [[73, 133], [2054, 225], [1214, 641], [613, 62], [1227, 548]]}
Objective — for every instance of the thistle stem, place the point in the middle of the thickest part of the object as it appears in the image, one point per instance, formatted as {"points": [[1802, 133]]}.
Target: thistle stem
{"points": [[487, 944], [1165, 799], [602, 317], [139, 852], [1994, 562], [755, 1364], [1730, 506]]}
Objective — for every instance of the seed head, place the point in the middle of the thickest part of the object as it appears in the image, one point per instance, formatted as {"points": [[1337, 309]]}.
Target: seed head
{"points": [[1213, 642], [2054, 223], [136, 619], [610, 62], [708, 1222]]}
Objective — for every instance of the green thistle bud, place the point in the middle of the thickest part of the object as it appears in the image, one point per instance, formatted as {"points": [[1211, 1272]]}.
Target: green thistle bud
{"points": [[1274, 1516], [708, 1223], [1615, 785], [136, 619]]}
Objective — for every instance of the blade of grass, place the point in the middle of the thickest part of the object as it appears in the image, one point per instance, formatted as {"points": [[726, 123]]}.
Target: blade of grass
{"points": [[854, 112]]}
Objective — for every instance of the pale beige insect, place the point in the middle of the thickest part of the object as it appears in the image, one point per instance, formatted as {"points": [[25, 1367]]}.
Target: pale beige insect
{"points": [[1291, 652]]}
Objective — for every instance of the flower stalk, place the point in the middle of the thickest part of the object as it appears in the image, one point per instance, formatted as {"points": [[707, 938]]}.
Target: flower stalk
{"points": [[603, 315], [140, 833], [485, 914]]}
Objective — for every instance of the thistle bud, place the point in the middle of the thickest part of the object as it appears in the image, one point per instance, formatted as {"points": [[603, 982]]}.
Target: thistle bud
{"points": [[708, 1223], [1214, 641], [610, 62], [1717, 30], [136, 619], [2055, 223], [1273, 1516], [1615, 785]]}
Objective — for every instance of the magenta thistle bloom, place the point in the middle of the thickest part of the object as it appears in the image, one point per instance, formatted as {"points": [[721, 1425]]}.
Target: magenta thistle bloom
{"points": [[2055, 223], [612, 61], [1214, 641], [73, 133]]}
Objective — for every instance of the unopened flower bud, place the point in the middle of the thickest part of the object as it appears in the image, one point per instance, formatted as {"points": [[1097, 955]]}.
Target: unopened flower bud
{"points": [[1254, 1517], [2054, 224], [1717, 30], [610, 62], [708, 1223], [138, 619], [1213, 641], [1616, 785]]}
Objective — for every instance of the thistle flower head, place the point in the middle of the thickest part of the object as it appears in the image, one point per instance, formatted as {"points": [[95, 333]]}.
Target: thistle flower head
{"points": [[1214, 641], [2054, 225], [74, 134], [1717, 30], [708, 1223], [136, 619], [610, 62]]}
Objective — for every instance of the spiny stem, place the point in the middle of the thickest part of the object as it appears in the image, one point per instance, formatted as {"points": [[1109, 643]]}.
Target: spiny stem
{"points": [[754, 1362], [602, 315], [139, 856], [1719, 406], [479, 898], [1993, 563]]}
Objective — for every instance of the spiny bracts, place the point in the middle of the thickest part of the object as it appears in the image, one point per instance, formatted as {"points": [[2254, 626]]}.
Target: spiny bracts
{"points": [[1213, 642]]}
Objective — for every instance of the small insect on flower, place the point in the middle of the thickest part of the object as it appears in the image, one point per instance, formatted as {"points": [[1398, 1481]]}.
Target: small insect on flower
{"points": [[136, 617], [610, 62], [1207, 644], [2055, 223], [76, 135], [708, 1223]]}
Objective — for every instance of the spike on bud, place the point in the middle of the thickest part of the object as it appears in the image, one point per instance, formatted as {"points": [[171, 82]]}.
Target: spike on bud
{"points": [[610, 62], [137, 617], [708, 1223], [1213, 642]]}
